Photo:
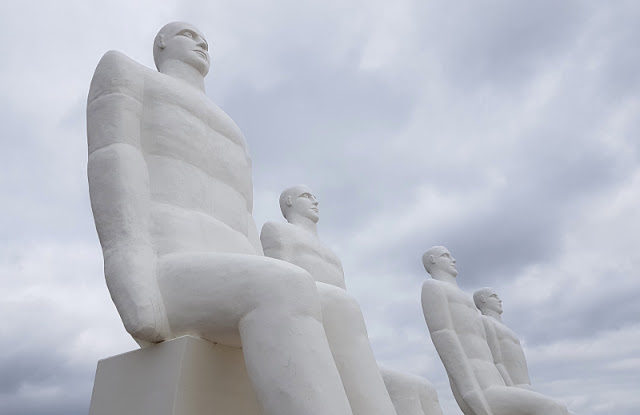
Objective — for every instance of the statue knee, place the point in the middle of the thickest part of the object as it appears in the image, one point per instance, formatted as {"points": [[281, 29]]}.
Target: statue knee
{"points": [[341, 311], [337, 301], [290, 290], [428, 391]]}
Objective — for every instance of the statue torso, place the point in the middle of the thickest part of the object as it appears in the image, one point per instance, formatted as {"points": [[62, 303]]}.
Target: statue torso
{"points": [[199, 170], [511, 351], [297, 246]]}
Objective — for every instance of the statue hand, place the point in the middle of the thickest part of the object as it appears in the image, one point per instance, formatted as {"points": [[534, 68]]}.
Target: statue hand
{"points": [[142, 324], [131, 279]]}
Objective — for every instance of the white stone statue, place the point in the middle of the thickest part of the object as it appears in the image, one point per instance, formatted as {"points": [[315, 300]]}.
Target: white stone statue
{"points": [[504, 344], [297, 242], [458, 335], [171, 193]]}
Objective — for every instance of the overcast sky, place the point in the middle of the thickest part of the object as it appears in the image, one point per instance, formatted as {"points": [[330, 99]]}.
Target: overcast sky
{"points": [[507, 131]]}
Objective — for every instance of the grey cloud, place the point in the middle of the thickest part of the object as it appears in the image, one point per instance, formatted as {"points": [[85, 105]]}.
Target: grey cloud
{"points": [[501, 43]]}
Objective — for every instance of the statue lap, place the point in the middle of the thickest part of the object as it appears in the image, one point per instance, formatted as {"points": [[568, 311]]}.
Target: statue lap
{"points": [[207, 295]]}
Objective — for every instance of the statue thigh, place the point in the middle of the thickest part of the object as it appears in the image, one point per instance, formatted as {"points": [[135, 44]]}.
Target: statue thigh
{"points": [[208, 294], [509, 400]]}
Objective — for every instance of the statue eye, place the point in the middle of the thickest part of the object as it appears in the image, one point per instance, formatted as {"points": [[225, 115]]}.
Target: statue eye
{"points": [[188, 34]]}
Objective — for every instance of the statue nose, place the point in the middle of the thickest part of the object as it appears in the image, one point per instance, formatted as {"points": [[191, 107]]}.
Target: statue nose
{"points": [[202, 44]]}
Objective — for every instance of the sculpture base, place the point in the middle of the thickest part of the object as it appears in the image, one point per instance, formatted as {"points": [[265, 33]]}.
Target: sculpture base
{"points": [[184, 376]]}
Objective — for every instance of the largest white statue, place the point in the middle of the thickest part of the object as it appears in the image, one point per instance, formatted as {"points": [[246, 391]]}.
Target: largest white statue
{"points": [[459, 337], [171, 192]]}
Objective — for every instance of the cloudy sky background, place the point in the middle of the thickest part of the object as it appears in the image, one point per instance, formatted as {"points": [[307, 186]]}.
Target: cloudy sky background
{"points": [[507, 131]]}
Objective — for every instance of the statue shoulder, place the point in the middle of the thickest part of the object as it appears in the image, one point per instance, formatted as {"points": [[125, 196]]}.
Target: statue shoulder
{"points": [[273, 227], [117, 73], [432, 290], [431, 285], [488, 322], [271, 232], [275, 240]]}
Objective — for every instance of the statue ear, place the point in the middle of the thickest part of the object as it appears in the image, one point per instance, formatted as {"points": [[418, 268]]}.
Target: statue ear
{"points": [[433, 261], [289, 201], [160, 41], [482, 298]]}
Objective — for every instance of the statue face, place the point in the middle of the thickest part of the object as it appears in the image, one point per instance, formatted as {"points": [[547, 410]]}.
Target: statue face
{"points": [[184, 42], [305, 204], [493, 302], [443, 261]]}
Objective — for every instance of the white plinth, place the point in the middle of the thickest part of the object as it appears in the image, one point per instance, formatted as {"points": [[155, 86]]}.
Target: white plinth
{"points": [[185, 376]]}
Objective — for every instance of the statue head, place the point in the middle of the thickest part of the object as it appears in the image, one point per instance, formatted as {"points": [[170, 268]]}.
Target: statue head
{"points": [[178, 41], [438, 260], [487, 300], [299, 202]]}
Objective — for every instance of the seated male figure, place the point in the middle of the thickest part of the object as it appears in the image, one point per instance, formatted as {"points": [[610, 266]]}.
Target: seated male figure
{"points": [[171, 192], [504, 344], [297, 242], [459, 337]]}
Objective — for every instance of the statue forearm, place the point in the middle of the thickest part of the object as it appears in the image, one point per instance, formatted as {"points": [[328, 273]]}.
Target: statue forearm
{"points": [[130, 277], [120, 201], [505, 374]]}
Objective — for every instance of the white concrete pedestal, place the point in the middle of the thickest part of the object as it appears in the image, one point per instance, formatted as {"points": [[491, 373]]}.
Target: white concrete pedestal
{"points": [[184, 376]]}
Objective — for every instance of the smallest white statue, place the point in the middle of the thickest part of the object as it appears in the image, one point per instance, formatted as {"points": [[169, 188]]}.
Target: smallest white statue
{"points": [[504, 344]]}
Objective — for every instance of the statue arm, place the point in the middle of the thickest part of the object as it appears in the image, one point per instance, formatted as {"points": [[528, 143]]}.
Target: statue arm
{"points": [[253, 236], [445, 339], [252, 229], [524, 381], [494, 346], [120, 196]]}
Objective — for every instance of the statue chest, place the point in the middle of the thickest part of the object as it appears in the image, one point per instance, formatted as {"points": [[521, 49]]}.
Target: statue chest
{"points": [[192, 144]]}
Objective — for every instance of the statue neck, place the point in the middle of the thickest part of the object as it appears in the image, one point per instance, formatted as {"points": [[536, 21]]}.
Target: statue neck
{"points": [[304, 223], [493, 314], [180, 70], [444, 277]]}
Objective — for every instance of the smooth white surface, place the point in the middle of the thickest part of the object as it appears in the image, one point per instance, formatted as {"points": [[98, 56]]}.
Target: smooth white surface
{"points": [[410, 394], [171, 193], [297, 242], [458, 335], [185, 376]]}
